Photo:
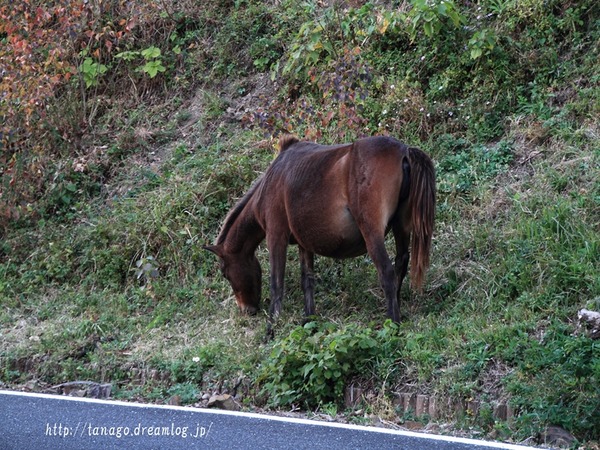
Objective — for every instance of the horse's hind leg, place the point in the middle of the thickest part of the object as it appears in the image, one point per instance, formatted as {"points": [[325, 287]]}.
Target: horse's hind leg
{"points": [[307, 260], [387, 276], [375, 240], [402, 239]]}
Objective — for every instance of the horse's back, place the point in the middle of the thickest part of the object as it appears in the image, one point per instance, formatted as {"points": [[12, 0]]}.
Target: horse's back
{"points": [[297, 156], [380, 147], [319, 193]]}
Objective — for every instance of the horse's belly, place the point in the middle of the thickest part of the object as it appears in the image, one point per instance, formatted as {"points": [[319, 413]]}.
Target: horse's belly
{"points": [[346, 249], [334, 235]]}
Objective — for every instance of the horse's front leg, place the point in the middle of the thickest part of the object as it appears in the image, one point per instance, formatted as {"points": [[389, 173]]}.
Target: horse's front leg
{"points": [[277, 258], [307, 262]]}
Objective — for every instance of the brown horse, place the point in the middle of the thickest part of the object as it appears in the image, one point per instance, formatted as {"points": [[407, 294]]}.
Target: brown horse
{"points": [[337, 201]]}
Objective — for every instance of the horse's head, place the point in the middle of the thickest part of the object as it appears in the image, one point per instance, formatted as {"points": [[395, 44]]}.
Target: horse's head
{"points": [[244, 274]]}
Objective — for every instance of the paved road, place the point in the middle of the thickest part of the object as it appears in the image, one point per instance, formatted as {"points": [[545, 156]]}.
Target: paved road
{"points": [[38, 421]]}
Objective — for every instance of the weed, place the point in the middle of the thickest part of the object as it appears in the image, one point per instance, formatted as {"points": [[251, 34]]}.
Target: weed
{"points": [[187, 392], [313, 364]]}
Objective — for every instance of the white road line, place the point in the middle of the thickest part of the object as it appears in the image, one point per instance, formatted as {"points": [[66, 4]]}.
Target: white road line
{"points": [[499, 445]]}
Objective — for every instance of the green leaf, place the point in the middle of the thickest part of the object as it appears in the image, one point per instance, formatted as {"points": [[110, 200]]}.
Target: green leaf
{"points": [[151, 52], [428, 29], [328, 47], [308, 368], [153, 67], [127, 55], [456, 17], [274, 71], [91, 70], [313, 57], [476, 52]]}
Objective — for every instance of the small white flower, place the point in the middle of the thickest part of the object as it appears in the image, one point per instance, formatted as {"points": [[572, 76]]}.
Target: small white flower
{"points": [[421, 109], [392, 87], [196, 359], [423, 58], [384, 112], [450, 113], [405, 100]]}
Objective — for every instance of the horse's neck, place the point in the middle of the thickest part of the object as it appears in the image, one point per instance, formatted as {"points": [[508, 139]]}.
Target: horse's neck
{"points": [[244, 233]]}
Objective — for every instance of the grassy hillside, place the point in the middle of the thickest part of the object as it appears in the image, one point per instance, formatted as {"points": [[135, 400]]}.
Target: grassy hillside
{"points": [[109, 195]]}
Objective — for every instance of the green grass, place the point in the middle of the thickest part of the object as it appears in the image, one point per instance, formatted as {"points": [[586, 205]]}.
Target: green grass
{"points": [[509, 273], [111, 284]]}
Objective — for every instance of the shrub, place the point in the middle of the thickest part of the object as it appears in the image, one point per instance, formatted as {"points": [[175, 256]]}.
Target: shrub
{"points": [[313, 364], [557, 382]]}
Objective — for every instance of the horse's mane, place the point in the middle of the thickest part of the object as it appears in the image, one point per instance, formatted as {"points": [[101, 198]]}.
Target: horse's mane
{"points": [[286, 141], [236, 211]]}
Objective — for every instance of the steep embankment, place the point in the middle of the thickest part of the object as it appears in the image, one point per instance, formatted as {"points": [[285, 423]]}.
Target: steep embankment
{"points": [[109, 193]]}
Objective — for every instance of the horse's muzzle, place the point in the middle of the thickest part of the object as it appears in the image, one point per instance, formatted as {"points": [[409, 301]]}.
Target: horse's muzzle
{"points": [[250, 310], [247, 309]]}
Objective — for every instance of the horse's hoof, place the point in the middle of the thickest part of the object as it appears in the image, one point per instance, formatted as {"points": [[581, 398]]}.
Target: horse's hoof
{"points": [[269, 336], [309, 319]]}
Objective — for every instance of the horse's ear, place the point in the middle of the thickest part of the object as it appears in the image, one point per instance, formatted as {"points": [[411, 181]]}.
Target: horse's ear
{"points": [[216, 249]]}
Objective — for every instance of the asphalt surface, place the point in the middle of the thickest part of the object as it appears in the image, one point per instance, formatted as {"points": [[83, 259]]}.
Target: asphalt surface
{"points": [[39, 421]]}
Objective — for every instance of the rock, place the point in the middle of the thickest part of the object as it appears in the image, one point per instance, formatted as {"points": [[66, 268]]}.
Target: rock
{"points": [[77, 393], [418, 404], [500, 411], [174, 400], [352, 396], [84, 389], [590, 321], [376, 421], [224, 401], [432, 428], [433, 407], [556, 437], [99, 390], [31, 386], [421, 405], [407, 402], [412, 425]]}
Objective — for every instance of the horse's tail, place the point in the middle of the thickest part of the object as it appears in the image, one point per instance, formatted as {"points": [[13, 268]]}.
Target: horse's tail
{"points": [[421, 201]]}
